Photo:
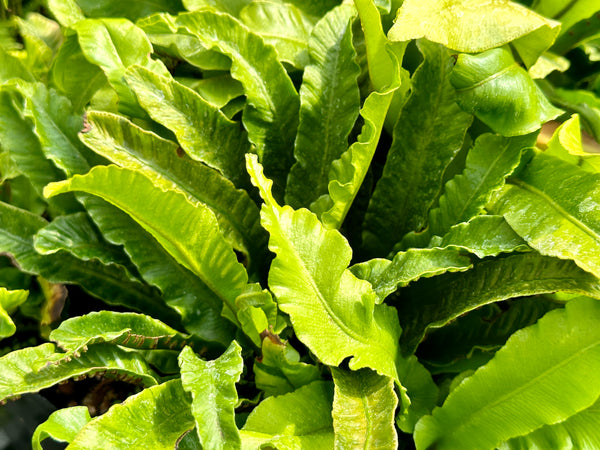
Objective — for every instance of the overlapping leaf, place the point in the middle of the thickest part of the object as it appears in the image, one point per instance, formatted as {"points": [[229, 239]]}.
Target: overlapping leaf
{"points": [[271, 112], [62, 425], [329, 103], [427, 136], [554, 206], [427, 304], [507, 398], [9, 302], [333, 312]]}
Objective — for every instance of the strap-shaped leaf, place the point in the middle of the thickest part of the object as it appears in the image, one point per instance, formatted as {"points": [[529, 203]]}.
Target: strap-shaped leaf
{"points": [[124, 329], [76, 234], [132, 11], [129, 146], [333, 312], [484, 329], [300, 419], [555, 207], [34, 368], [329, 103], [500, 93], [167, 37], [386, 276], [433, 303], [363, 410], [484, 236], [232, 7], [281, 25], [113, 45], [200, 308], [491, 160], [271, 112], [108, 282], [279, 369], [188, 231], [347, 173], [62, 425], [544, 374], [581, 430], [212, 385], [202, 130], [155, 418], [474, 27], [428, 134]]}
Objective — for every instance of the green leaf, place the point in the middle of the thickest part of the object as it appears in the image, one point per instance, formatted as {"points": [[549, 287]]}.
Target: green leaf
{"points": [[543, 375], [12, 67], [348, 172], [186, 230], [329, 103], [363, 410], [484, 329], [257, 313], [580, 31], [218, 90], [76, 234], [166, 36], [491, 160], [386, 276], [74, 76], [232, 7], [332, 311], [422, 392], [553, 205], [113, 45], [271, 112], [34, 368], [202, 130], [131, 147], [581, 430], [473, 27], [66, 12], [62, 425], [433, 303], [500, 93], [279, 370], [9, 302], [125, 329], [566, 143], [282, 26], [567, 11], [483, 236], [212, 385], [300, 419], [110, 283], [155, 418], [130, 10], [427, 136], [200, 308]]}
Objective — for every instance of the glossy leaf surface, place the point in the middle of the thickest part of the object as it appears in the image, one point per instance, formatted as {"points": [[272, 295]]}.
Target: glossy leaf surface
{"points": [[62, 425]]}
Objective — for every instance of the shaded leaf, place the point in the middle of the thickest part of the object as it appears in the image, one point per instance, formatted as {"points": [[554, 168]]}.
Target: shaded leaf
{"points": [[500, 93], [508, 398], [363, 410], [422, 392], [300, 419], [427, 136], [332, 311], [554, 206], [433, 303], [155, 418], [9, 302], [329, 103], [129, 10], [212, 385], [62, 425]]}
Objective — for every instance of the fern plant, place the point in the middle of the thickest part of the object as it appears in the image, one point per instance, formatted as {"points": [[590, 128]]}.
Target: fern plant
{"points": [[311, 224]]}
